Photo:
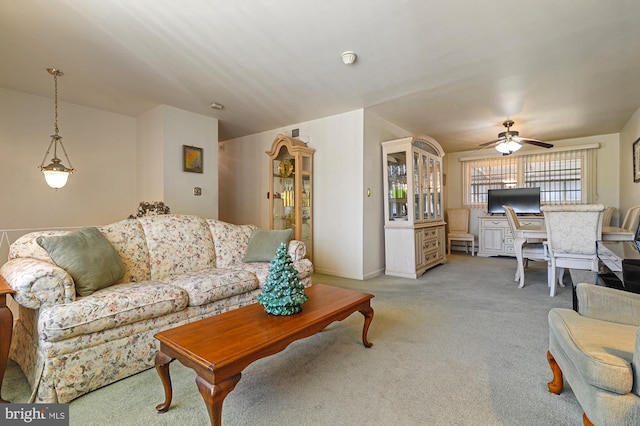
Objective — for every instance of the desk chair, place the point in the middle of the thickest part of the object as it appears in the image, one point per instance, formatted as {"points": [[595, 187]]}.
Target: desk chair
{"points": [[572, 232], [458, 221], [530, 250]]}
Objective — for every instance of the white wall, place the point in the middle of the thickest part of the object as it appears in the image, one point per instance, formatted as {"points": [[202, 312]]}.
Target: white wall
{"points": [[608, 187], [101, 146], [186, 128], [150, 155], [161, 133], [629, 190], [107, 150]]}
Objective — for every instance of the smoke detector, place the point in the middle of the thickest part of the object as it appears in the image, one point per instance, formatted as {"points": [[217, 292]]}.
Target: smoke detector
{"points": [[349, 57]]}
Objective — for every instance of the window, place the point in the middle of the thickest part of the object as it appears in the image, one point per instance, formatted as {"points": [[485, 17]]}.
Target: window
{"points": [[562, 176]]}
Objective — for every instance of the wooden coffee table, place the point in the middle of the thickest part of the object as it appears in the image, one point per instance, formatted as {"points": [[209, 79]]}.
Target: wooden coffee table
{"points": [[218, 348]]}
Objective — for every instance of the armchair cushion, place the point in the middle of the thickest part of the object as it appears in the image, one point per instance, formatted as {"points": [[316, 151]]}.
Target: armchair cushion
{"points": [[87, 256], [600, 351]]}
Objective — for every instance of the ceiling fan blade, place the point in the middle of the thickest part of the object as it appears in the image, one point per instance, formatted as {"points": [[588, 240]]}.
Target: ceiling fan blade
{"points": [[536, 142], [492, 142]]}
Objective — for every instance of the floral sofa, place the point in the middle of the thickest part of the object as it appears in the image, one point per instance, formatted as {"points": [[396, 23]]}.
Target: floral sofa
{"points": [[177, 269]]}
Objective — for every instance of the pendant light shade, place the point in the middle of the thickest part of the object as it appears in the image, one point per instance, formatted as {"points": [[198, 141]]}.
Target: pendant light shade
{"points": [[55, 173]]}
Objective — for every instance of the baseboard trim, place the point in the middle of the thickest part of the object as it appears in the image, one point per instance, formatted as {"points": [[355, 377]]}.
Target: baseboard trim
{"points": [[341, 274]]}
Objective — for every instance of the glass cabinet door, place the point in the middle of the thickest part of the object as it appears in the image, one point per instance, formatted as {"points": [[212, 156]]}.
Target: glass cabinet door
{"points": [[431, 188], [438, 189], [413, 182], [397, 185], [416, 186], [306, 198], [283, 191]]}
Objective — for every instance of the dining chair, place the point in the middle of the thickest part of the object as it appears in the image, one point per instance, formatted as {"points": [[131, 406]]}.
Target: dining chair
{"points": [[607, 216], [530, 250], [631, 219], [626, 231], [458, 221], [572, 233]]}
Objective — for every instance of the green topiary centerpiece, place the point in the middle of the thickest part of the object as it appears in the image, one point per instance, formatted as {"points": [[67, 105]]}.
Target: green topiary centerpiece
{"points": [[283, 293]]}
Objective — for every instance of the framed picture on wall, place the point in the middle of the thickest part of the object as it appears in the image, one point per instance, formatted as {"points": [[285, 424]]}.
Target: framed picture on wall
{"points": [[191, 159], [636, 160]]}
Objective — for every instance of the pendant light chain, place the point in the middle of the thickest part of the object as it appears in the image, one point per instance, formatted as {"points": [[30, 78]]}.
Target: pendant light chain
{"points": [[55, 80]]}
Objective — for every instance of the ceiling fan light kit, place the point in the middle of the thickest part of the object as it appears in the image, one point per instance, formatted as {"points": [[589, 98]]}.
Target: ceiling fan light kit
{"points": [[510, 141], [509, 147]]}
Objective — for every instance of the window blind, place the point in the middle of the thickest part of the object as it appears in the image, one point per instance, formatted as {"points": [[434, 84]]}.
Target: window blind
{"points": [[563, 176]]}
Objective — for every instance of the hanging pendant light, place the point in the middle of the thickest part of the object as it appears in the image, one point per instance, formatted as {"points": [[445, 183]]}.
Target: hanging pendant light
{"points": [[56, 173]]}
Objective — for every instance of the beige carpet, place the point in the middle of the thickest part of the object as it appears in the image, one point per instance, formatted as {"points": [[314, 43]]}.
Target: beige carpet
{"points": [[462, 345]]}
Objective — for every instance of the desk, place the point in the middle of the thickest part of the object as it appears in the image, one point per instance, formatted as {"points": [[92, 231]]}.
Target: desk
{"points": [[520, 236]]}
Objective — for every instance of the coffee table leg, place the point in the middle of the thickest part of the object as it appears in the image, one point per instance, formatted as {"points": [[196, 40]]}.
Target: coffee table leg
{"points": [[214, 396], [368, 317], [162, 367]]}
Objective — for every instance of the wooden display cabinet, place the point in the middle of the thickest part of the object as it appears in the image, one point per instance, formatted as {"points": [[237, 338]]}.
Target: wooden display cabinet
{"points": [[291, 189], [414, 226]]}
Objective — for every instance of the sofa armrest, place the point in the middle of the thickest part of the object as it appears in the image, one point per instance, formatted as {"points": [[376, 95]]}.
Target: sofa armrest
{"points": [[297, 250], [38, 284], [608, 304]]}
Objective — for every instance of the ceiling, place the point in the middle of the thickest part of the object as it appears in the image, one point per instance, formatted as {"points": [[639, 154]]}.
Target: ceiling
{"points": [[453, 70]]}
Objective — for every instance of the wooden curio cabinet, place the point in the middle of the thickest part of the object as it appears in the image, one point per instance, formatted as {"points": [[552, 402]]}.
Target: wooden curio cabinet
{"points": [[291, 189], [414, 228]]}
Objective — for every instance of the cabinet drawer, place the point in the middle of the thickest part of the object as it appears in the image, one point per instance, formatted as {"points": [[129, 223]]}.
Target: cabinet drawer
{"points": [[429, 245], [430, 234], [430, 256], [495, 223], [531, 222]]}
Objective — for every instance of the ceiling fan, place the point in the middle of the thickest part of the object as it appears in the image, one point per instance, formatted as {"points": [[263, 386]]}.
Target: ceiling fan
{"points": [[510, 141]]}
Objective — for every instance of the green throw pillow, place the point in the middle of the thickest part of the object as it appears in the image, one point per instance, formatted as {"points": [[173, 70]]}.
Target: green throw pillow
{"points": [[87, 256], [264, 244]]}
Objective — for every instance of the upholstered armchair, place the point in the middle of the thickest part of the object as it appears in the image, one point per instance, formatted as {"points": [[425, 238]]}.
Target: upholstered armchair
{"points": [[597, 352]]}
